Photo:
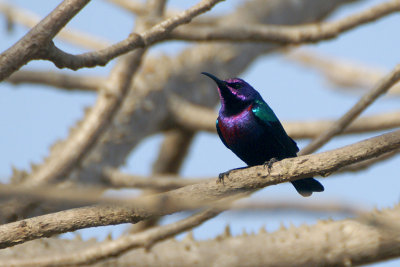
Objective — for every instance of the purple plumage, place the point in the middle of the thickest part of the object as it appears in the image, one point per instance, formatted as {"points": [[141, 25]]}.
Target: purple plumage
{"points": [[249, 127]]}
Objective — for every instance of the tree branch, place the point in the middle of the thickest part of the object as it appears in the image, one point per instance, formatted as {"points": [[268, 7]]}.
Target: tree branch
{"points": [[369, 238], [173, 151], [117, 179], [198, 118], [100, 58], [369, 162], [145, 111], [56, 79], [29, 46], [238, 183], [29, 20], [340, 72], [121, 245], [111, 95], [382, 87], [285, 34]]}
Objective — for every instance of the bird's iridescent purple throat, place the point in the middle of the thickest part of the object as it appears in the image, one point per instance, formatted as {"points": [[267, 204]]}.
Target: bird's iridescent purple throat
{"points": [[249, 127]]}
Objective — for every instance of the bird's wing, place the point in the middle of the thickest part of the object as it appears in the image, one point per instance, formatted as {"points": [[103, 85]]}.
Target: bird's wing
{"points": [[220, 135], [264, 114]]}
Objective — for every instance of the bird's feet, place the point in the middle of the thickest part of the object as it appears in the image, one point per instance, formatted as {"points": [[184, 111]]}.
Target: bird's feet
{"points": [[268, 164], [222, 175]]}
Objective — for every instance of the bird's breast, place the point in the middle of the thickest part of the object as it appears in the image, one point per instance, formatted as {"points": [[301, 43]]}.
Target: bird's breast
{"points": [[240, 129]]}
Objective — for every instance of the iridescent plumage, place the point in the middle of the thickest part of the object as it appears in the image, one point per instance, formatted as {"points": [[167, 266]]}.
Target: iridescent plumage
{"points": [[249, 127]]}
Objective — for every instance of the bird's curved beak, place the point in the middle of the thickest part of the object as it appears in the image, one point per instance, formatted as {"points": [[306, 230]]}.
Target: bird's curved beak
{"points": [[221, 84]]}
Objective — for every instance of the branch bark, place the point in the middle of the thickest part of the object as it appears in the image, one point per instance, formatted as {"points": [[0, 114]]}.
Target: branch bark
{"points": [[40, 36], [342, 73], [369, 238], [134, 41], [108, 103], [382, 87], [147, 101], [117, 247], [57, 79], [29, 20], [285, 34], [238, 184]]}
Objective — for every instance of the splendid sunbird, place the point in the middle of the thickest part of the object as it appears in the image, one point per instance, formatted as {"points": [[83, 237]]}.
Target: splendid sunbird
{"points": [[249, 127]]}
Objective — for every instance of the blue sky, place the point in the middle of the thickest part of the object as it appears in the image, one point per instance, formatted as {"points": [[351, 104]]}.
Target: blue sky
{"points": [[34, 117]]}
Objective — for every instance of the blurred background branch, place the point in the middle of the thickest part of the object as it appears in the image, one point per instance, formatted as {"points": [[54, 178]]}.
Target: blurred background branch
{"points": [[150, 94]]}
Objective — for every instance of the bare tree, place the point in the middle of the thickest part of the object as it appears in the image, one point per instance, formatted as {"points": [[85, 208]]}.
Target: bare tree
{"points": [[146, 94]]}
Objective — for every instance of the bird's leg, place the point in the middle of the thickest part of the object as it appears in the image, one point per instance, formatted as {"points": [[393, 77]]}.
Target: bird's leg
{"points": [[269, 164], [222, 175]]}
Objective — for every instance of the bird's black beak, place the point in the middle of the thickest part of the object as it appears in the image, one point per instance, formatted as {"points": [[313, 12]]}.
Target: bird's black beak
{"points": [[224, 91], [221, 84]]}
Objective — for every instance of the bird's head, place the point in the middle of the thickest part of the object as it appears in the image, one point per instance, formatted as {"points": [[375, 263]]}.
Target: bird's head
{"points": [[235, 94]]}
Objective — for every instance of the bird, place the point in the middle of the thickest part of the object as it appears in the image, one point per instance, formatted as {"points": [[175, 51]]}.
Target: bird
{"points": [[251, 130]]}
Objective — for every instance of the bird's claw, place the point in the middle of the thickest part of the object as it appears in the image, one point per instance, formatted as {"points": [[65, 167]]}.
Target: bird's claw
{"points": [[221, 177], [268, 164]]}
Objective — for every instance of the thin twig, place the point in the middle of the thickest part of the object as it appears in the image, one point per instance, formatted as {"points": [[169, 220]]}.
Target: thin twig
{"points": [[382, 87]]}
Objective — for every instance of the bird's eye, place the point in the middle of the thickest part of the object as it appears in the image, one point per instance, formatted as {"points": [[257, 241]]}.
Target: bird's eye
{"points": [[235, 85]]}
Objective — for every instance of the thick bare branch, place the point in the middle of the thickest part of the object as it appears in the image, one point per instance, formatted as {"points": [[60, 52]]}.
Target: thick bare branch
{"points": [[123, 244], [91, 196], [56, 79], [369, 238], [148, 238], [145, 111], [32, 47], [29, 20], [29, 46], [237, 184], [285, 34], [100, 58], [111, 95]]}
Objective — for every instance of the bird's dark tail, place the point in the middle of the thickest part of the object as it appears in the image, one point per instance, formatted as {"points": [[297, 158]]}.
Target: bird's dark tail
{"points": [[307, 186]]}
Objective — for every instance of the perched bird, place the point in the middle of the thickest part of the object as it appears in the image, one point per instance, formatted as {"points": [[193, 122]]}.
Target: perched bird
{"points": [[249, 127]]}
